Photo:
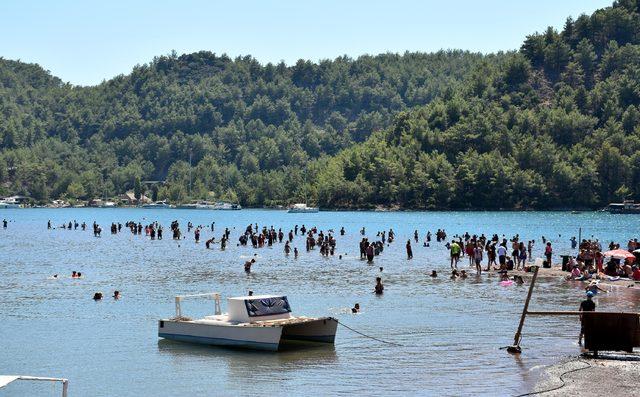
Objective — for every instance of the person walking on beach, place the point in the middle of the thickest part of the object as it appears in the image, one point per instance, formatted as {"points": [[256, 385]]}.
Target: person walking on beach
{"points": [[587, 305], [502, 256]]}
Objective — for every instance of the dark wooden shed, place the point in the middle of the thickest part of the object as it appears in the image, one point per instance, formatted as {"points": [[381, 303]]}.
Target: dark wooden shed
{"points": [[611, 331]]}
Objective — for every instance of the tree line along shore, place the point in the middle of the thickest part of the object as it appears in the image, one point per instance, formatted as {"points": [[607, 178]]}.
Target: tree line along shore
{"points": [[554, 124]]}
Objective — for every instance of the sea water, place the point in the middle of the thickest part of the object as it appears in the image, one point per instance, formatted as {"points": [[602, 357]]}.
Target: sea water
{"points": [[447, 334]]}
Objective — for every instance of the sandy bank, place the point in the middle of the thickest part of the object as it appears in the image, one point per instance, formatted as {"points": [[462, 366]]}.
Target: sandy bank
{"points": [[591, 377], [556, 272]]}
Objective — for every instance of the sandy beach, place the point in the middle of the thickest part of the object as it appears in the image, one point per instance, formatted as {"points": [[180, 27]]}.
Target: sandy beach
{"points": [[613, 375]]}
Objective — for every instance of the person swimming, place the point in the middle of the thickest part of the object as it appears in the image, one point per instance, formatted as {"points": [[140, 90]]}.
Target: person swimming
{"points": [[116, 295], [97, 296], [434, 274], [355, 308]]}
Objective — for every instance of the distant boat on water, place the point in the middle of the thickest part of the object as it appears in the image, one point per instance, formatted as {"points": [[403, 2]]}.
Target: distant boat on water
{"points": [[206, 205], [13, 202], [302, 208], [7, 205], [157, 205], [626, 207]]}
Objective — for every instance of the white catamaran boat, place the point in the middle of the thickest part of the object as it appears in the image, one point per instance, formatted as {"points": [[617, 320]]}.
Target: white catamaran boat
{"points": [[261, 322], [301, 208]]}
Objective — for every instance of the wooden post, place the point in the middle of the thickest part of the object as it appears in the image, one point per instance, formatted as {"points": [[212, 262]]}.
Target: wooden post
{"points": [[516, 340], [579, 237]]}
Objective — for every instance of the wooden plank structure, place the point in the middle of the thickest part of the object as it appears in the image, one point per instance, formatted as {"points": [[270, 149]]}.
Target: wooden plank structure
{"points": [[612, 331]]}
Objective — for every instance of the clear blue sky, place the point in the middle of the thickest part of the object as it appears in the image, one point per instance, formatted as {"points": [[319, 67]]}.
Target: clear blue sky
{"points": [[86, 41]]}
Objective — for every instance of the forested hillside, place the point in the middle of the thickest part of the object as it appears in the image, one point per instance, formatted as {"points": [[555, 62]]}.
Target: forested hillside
{"points": [[552, 125], [556, 126], [242, 125]]}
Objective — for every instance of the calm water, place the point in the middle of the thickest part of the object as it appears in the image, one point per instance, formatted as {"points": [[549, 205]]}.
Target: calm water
{"points": [[450, 332]]}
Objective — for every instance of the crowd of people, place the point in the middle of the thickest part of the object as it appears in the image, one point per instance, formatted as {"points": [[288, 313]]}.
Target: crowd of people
{"points": [[591, 263], [484, 253]]}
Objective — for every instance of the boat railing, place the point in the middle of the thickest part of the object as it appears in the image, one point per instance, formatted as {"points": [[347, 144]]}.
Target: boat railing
{"points": [[6, 379], [214, 295]]}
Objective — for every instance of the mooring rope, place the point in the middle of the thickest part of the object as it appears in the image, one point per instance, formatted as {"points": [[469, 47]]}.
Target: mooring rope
{"points": [[561, 380], [368, 336]]}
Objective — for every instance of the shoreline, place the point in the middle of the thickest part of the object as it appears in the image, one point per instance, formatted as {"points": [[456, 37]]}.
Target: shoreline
{"points": [[582, 376], [344, 209], [556, 272]]}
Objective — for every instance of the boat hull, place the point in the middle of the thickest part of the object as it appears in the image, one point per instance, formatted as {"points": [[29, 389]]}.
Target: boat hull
{"points": [[267, 337], [322, 330]]}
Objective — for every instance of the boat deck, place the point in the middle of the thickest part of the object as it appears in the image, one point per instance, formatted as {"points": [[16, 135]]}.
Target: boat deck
{"points": [[223, 320]]}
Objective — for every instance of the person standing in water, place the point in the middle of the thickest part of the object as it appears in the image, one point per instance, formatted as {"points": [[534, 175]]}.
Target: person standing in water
{"points": [[548, 251], [455, 254], [248, 264], [409, 250], [477, 257], [379, 288], [587, 305]]}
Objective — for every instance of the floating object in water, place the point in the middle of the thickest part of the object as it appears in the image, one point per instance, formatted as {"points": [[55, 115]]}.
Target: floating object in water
{"points": [[506, 283], [255, 322]]}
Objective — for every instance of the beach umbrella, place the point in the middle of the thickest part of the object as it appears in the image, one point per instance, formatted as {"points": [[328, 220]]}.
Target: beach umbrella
{"points": [[619, 254]]}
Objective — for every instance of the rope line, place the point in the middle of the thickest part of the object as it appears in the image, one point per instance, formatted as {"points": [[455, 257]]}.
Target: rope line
{"points": [[368, 336], [561, 380]]}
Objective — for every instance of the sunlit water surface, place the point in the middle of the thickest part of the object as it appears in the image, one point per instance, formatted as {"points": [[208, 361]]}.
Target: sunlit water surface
{"points": [[450, 332]]}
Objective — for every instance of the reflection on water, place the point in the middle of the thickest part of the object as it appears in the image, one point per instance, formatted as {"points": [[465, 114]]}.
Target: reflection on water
{"points": [[449, 332]]}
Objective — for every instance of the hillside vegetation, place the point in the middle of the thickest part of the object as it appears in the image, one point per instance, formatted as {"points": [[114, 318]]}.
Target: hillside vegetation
{"points": [[552, 125]]}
